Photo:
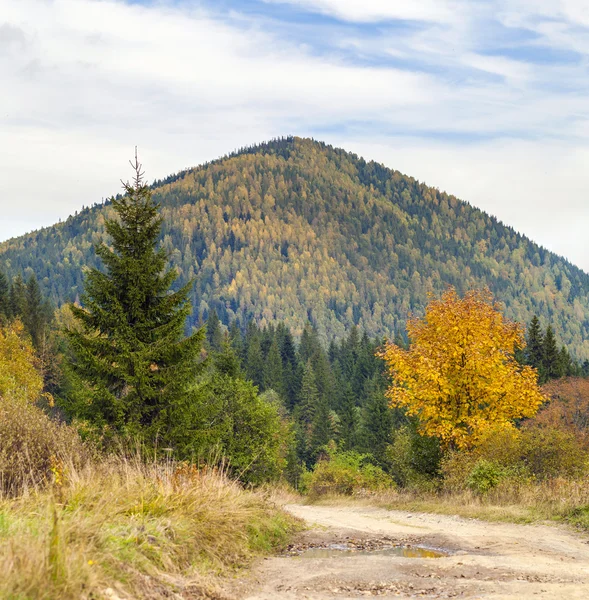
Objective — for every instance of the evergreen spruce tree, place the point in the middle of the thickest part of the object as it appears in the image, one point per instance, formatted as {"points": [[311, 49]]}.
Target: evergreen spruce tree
{"points": [[567, 366], [378, 423], [534, 351], [551, 359], [34, 311], [129, 347], [291, 371], [273, 376], [236, 340], [348, 418], [309, 396], [214, 333], [4, 297], [321, 429], [18, 297], [254, 364]]}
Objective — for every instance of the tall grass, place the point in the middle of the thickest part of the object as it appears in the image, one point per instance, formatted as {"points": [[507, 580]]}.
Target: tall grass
{"points": [[122, 528], [557, 499]]}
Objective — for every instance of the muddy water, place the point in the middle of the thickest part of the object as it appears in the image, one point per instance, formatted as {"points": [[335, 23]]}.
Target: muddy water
{"points": [[339, 550]]}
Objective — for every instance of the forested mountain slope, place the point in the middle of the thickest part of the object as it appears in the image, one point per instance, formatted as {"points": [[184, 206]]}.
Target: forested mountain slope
{"points": [[294, 230]]}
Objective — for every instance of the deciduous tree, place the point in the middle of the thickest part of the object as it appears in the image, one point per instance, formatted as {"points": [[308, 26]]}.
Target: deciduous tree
{"points": [[459, 376]]}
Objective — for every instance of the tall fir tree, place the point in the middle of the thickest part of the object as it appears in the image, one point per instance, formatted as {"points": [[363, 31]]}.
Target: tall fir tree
{"points": [[214, 332], [129, 347], [34, 311], [348, 418], [534, 351], [321, 428], [254, 363], [4, 297], [273, 375], [551, 358], [309, 395], [18, 297], [378, 421]]}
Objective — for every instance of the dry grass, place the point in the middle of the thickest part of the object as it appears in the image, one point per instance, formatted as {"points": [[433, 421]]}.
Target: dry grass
{"points": [[120, 528], [559, 500]]}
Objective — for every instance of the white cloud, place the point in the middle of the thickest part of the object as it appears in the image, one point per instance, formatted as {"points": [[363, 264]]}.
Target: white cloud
{"points": [[379, 10], [89, 79]]}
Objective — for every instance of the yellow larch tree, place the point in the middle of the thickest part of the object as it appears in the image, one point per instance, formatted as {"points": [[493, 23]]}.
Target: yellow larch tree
{"points": [[460, 376]]}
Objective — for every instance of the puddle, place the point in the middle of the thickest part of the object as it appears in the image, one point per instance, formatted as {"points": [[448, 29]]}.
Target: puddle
{"points": [[338, 550]]}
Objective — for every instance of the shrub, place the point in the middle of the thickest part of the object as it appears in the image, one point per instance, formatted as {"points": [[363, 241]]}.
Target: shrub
{"points": [[485, 476], [540, 453], [548, 452], [344, 473], [414, 460], [31, 444], [226, 417]]}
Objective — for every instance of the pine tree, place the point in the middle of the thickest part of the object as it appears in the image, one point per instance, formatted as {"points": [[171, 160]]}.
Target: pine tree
{"points": [[33, 316], [309, 396], [348, 418], [214, 333], [377, 423], [321, 429], [130, 348], [551, 359], [4, 297], [18, 297], [534, 351], [254, 364], [273, 376]]}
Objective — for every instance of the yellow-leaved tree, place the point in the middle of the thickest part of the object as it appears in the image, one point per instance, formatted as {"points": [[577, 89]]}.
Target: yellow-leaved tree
{"points": [[460, 376], [20, 381]]}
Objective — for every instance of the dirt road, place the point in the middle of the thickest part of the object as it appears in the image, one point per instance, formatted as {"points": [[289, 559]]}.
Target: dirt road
{"points": [[485, 560]]}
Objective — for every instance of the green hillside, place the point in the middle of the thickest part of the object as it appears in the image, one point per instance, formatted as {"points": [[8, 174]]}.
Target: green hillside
{"points": [[295, 230]]}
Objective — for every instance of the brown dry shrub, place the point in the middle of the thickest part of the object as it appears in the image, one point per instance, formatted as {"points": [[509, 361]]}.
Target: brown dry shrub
{"points": [[568, 408], [31, 444]]}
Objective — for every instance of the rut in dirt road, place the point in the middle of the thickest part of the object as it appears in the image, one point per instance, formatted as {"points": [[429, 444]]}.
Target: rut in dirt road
{"points": [[482, 560]]}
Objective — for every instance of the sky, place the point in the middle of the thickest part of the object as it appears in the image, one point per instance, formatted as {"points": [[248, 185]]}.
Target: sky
{"points": [[485, 99]]}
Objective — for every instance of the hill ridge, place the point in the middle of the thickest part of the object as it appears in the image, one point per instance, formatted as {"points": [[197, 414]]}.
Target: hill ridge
{"points": [[293, 229]]}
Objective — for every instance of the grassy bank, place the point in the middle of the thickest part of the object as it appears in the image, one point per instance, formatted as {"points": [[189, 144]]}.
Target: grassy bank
{"points": [[557, 500], [119, 529]]}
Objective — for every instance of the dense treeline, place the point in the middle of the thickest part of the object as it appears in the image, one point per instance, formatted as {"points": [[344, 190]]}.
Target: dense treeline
{"points": [[334, 393], [295, 231], [543, 353], [337, 393], [23, 300]]}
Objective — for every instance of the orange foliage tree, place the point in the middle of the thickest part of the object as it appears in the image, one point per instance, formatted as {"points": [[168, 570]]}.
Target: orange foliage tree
{"points": [[568, 408], [460, 376]]}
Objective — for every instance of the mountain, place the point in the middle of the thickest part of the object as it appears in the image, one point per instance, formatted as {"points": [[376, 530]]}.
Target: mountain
{"points": [[295, 230]]}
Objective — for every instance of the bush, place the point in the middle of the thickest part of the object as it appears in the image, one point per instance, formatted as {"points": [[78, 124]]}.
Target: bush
{"points": [[485, 476], [344, 473], [31, 444], [227, 418], [532, 453], [414, 460], [548, 452]]}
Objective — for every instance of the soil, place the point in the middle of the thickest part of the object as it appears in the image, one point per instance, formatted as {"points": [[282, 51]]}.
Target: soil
{"points": [[483, 560]]}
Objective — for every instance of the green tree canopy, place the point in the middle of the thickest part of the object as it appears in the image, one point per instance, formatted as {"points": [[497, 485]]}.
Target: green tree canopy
{"points": [[129, 347]]}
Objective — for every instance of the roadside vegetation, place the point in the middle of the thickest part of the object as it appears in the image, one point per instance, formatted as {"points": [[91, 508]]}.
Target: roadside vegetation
{"points": [[141, 458], [484, 439]]}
